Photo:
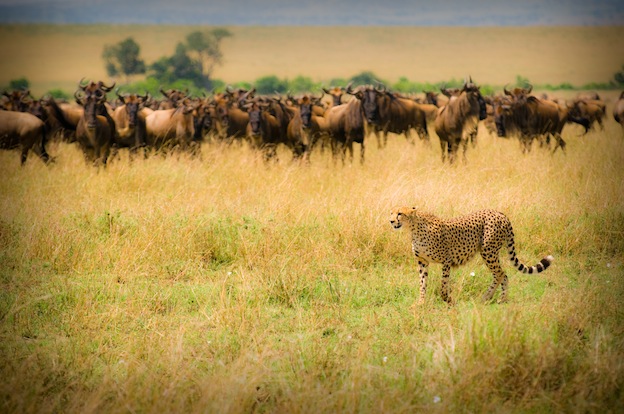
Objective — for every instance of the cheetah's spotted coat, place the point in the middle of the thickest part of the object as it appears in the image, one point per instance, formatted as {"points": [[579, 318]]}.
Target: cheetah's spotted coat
{"points": [[453, 242]]}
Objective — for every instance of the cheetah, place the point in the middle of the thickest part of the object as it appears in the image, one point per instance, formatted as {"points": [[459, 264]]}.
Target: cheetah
{"points": [[454, 242]]}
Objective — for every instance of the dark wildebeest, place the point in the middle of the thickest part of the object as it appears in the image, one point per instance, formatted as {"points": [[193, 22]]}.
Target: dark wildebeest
{"points": [[172, 97], [530, 117], [93, 132], [346, 126], [282, 125], [618, 110], [591, 109], [457, 121], [385, 112], [25, 131], [263, 129], [230, 121], [17, 100], [203, 119]]}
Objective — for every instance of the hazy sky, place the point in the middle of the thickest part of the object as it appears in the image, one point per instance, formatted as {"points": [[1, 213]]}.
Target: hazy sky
{"points": [[319, 12]]}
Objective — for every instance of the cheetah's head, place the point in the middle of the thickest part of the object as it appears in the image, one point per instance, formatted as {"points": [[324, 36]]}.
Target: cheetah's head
{"points": [[399, 215]]}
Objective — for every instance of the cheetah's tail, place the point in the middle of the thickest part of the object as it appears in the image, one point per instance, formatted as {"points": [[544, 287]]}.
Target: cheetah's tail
{"points": [[538, 268]]}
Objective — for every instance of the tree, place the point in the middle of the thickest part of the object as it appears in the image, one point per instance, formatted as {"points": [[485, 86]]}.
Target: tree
{"points": [[123, 58], [365, 78], [271, 84], [21, 83], [205, 49], [178, 66]]}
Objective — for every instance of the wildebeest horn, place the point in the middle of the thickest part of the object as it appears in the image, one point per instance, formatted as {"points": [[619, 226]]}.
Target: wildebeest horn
{"points": [[106, 88], [530, 88], [117, 93], [77, 96], [506, 91], [80, 84], [348, 89]]}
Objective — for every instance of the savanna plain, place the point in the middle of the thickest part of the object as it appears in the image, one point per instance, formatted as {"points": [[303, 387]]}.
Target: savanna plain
{"points": [[221, 283]]}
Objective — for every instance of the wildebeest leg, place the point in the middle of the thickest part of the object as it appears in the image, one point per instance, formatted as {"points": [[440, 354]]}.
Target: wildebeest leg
{"points": [[464, 144], [473, 138], [453, 147], [408, 136], [24, 155], [362, 152], [559, 142], [443, 146], [423, 133]]}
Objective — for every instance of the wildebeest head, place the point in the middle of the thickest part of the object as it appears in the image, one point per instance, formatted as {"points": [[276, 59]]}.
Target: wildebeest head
{"points": [[518, 93], [305, 110], [18, 100], [470, 88], [370, 107], [203, 115], [98, 89], [337, 92], [254, 110], [90, 103], [502, 112], [133, 103], [431, 98]]}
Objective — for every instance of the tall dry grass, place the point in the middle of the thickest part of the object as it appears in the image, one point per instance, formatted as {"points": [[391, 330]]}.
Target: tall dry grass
{"points": [[224, 284]]}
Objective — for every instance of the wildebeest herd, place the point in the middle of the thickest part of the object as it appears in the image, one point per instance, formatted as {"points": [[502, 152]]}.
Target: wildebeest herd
{"points": [[180, 122]]}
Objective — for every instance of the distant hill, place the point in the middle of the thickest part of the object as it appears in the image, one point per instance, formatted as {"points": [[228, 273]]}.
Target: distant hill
{"points": [[318, 13]]}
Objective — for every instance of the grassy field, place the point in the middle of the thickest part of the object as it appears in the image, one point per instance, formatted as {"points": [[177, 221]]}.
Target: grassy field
{"points": [[225, 285], [58, 56]]}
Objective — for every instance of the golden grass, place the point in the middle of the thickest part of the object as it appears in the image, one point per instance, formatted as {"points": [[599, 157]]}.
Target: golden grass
{"points": [[58, 56], [222, 284]]}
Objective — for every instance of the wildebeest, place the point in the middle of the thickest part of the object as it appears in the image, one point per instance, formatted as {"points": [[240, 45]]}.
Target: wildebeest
{"points": [[346, 126], [275, 122], [16, 100], [203, 118], [457, 121], [618, 110], [386, 112], [169, 128], [531, 117], [336, 93], [230, 121], [172, 97], [130, 127], [263, 129], [591, 109], [94, 133], [25, 131]]}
